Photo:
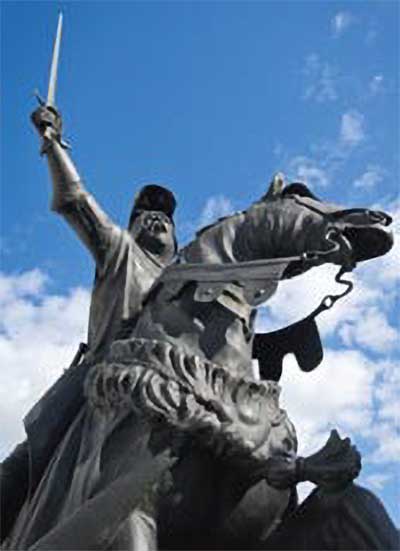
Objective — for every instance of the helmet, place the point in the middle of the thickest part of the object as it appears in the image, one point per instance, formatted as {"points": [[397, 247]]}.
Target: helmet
{"points": [[154, 197]]}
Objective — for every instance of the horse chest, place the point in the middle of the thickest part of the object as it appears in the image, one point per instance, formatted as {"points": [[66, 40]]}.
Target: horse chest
{"points": [[207, 329], [206, 506]]}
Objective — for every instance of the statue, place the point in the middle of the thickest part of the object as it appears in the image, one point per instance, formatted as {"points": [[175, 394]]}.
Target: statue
{"points": [[127, 261], [176, 445], [127, 264]]}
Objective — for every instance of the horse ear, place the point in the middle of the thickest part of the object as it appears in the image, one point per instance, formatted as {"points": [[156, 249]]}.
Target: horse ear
{"points": [[276, 186]]}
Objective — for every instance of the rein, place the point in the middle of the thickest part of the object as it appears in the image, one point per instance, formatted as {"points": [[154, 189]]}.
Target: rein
{"points": [[329, 300], [255, 270], [252, 270], [267, 270]]}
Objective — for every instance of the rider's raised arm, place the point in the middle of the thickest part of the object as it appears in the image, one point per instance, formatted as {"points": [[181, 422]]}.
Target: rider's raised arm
{"points": [[70, 198]]}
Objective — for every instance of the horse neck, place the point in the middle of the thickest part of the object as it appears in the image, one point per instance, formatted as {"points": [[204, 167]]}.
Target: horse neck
{"points": [[239, 238], [242, 237], [275, 229], [214, 244]]}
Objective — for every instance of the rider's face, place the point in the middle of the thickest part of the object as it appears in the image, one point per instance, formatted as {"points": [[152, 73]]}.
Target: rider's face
{"points": [[154, 231]]}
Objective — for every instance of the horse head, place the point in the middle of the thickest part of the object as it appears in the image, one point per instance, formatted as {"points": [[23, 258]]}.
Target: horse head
{"points": [[292, 222], [345, 236]]}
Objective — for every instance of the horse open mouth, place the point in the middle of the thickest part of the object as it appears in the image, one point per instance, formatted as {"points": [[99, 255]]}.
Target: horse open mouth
{"points": [[368, 234]]}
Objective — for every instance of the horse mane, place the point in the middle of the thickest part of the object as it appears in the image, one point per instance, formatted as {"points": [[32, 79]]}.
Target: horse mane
{"points": [[216, 222], [298, 188], [210, 238], [242, 243]]}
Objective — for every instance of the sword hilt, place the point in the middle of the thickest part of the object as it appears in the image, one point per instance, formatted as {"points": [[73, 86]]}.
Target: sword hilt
{"points": [[39, 98], [49, 131]]}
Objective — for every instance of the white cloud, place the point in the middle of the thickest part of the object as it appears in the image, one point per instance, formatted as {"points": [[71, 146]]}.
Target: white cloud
{"points": [[325, 161], [371, 331], [359, 318], [338, 394], [305, 169], [39, 335], [376, 85], [387, 441], [296, 298], [26, 284], [387, 393], [341, 22], [377, 481], [349, 391], [215, 207], [385, 274], [320, 80], [352, 130], [373, 176]]}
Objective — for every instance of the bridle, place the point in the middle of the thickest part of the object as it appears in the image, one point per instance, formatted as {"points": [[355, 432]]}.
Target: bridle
{"points": [[336, 237], [375, 216], [329, 300], [271, 269]]}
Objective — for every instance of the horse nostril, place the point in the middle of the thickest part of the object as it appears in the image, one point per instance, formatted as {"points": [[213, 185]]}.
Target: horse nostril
{"points": [[287, 444], [378, 216]]}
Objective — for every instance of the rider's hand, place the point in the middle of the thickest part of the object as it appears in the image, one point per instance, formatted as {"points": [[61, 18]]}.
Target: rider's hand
{"points": [[334, 466], [281, 472], [47, 122]]}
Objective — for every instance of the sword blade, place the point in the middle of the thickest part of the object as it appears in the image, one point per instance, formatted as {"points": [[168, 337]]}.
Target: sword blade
{"points": [[51, 93]]}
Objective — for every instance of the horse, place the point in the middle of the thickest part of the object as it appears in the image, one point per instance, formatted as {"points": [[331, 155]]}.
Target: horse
{"points": [[172, 448]]}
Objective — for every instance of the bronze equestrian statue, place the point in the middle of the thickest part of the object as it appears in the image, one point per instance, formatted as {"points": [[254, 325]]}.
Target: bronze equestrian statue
{"points": [[201, 453], [174, 444]]}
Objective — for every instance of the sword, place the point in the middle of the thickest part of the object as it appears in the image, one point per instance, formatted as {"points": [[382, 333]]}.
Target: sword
{"points": [[51, 92]]}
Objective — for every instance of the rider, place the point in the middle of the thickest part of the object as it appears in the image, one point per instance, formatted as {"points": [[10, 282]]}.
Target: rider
{"points": [[128, 261]]}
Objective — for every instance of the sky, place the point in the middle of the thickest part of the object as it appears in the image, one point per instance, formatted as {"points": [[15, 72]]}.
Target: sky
{"points": [[209, 99]]}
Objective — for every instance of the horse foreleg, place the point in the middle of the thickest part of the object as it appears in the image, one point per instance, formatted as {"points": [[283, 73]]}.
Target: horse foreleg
{"points": [[338, 515], [352, 518]]}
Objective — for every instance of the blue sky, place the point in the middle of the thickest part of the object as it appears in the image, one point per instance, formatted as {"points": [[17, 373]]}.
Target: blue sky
{"points": [[210, 99]]}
